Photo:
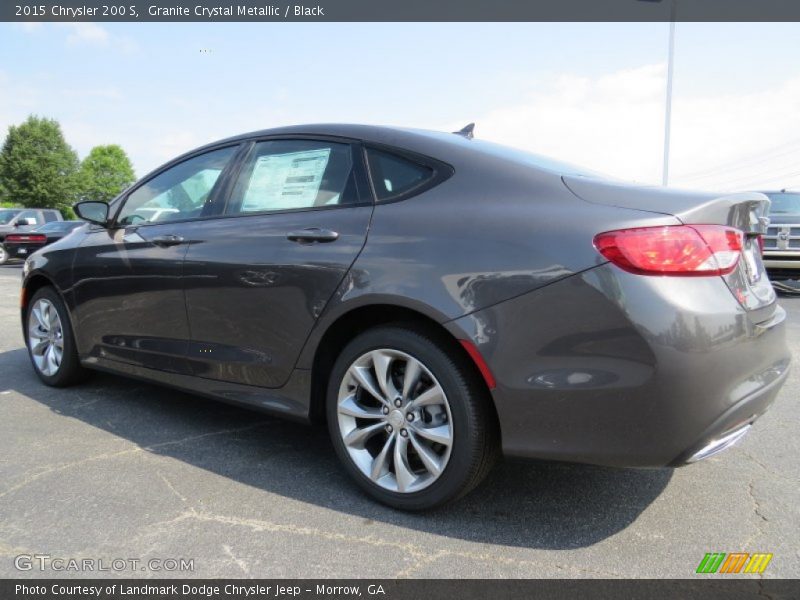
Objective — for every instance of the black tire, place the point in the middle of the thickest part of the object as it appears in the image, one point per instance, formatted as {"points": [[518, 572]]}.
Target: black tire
{"points": [[475, 443], [70, 370]]}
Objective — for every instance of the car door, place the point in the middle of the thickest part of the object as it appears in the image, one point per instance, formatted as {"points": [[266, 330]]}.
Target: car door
{"points": [[128, 293], [261, 274]]}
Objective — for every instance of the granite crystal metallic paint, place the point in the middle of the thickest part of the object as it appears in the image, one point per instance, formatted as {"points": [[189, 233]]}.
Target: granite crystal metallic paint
{"points": [[591, 363]]}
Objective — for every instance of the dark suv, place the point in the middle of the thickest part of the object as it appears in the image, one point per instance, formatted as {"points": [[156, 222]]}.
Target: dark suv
{"points": [[782, 241], [22, 220]]}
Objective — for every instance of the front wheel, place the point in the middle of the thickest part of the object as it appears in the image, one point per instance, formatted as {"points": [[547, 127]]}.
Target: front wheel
{"points": [[51, 344], [409, 419]]}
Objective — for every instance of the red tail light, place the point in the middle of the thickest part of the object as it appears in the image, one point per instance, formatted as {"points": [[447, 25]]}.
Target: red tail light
{"points": [[27, 237], [673, 250]]}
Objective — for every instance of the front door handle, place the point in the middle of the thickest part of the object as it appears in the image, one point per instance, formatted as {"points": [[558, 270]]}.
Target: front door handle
{"points": [[311, 235], [167, 240]]}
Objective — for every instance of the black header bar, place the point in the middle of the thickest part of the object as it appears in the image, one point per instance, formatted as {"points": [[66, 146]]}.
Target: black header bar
{"points": [[704, 587], [399, 10]]}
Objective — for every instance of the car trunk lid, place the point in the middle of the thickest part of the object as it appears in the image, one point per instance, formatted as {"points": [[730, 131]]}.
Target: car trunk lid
{"points": [[746, 211]]}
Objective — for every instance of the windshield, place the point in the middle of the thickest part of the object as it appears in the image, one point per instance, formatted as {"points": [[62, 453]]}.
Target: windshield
{"points": [[785, 204], [6, 216]]}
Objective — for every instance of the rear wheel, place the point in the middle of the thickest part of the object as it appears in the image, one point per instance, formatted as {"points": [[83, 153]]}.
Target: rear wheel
{"points": [[51, 344], [410, 422], [4, 256]]}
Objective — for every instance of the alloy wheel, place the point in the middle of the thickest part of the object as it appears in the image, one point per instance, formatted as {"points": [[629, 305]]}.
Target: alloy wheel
{"points": [[45, 337], [395, 420]]}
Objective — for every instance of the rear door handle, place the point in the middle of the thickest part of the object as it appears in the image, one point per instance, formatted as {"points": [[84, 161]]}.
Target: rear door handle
{"points": [[311, 235], [167, 240]]}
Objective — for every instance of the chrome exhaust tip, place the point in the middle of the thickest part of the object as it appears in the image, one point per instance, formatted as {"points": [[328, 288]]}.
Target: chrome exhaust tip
{"points": [[719, 444]]}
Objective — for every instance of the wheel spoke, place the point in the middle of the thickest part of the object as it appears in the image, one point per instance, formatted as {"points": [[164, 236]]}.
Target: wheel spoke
{"points": [[358, 436], [411, 378], [440, 434], [382, 361], [379, 463], [52, 317], [50, 360], [427, 455], [38, 345], [37, 314], [402, 472], [431, 396], [364, 377], [351, 408]]}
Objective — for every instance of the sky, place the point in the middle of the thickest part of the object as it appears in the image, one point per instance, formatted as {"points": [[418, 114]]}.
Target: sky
{"points": [[587, 93]]}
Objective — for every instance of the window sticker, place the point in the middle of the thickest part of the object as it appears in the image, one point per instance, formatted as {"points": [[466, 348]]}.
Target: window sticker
{"points": [[281, 181]]}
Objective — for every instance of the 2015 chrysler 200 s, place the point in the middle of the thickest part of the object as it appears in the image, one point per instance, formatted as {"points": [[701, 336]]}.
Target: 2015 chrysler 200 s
{"points": [[436, 299]]}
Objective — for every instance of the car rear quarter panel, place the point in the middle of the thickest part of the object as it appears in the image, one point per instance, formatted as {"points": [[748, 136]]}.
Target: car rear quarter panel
{"points": [[619, 369]]}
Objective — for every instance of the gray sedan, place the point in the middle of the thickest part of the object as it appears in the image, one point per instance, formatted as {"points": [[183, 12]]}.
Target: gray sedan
{"points": [[437, 300]]}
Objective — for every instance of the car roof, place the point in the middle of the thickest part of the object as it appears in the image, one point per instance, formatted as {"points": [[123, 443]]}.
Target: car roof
{"points": [[458, 150]]}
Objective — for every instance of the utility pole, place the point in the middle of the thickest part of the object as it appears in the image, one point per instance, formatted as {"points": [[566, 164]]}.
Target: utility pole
{"points": [[668, 111]]}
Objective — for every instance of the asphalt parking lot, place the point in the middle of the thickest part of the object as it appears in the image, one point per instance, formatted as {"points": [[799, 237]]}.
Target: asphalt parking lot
{"points": [[121, 469]]}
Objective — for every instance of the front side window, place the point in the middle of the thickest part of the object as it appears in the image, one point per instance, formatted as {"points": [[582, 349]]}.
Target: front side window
{"points": [[294, 175], [180, 192], [394, 175], [50, 216]]}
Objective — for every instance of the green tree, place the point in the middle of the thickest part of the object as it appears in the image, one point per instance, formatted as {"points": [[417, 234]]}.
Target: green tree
{"points": [[104, 173], [37, 166]]}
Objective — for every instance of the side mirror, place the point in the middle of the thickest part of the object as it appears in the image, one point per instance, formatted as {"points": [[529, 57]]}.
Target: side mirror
{"points": [[92, 211]]}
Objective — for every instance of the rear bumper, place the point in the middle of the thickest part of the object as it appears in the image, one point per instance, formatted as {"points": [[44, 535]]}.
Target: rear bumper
{"points": [[782, 265], [20, 250], [623, 370]]}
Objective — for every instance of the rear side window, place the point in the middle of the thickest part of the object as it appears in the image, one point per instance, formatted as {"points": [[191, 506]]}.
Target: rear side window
{"points": [[394, 176], [50, 216]]}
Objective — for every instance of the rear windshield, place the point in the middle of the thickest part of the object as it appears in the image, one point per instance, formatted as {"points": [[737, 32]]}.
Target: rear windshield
{"points": [[784, 204], [6, 216]]}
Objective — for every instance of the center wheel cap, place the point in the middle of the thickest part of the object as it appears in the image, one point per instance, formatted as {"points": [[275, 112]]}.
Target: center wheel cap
{"points": [[396, 419]]}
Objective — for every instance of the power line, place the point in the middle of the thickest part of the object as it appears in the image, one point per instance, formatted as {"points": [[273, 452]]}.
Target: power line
{"points": [[762, 157]]}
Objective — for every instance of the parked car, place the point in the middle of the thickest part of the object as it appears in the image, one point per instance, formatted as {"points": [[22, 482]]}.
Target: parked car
{"points": [[782, 240], [21, 220], [436, 299], [22, 245]]}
